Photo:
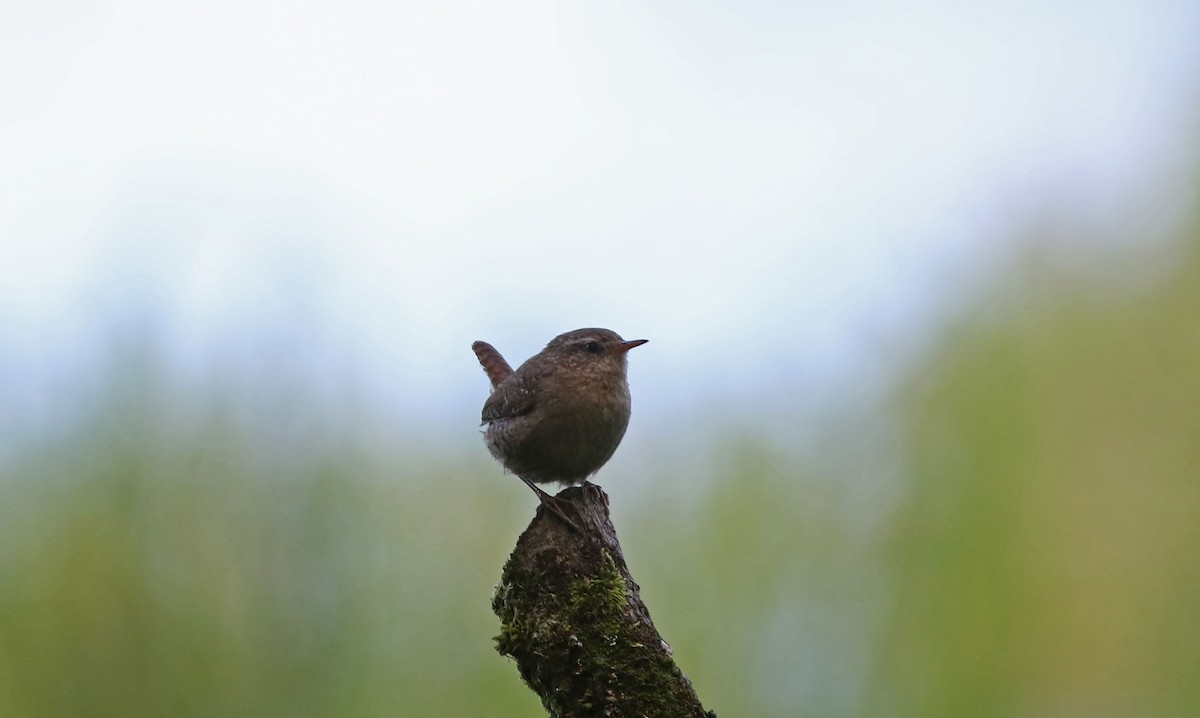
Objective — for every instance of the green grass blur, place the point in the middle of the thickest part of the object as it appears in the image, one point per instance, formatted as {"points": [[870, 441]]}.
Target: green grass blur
{"points": [[1046, 560], [1043, 557]]}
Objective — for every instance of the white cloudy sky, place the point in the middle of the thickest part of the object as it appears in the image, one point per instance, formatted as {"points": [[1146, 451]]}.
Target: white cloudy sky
{"points": [[768, 191]]}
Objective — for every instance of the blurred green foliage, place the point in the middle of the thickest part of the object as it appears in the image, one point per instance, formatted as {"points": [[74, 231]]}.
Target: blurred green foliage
{"points": [[1044, 557], [185, 577], [1046, 560]]}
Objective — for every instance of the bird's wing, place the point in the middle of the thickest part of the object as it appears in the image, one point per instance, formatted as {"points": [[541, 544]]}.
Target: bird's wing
{"points": [[511, 398]]}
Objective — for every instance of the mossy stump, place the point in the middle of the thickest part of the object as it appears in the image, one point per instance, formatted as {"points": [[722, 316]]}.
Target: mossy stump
{"points": [[572, 618]]}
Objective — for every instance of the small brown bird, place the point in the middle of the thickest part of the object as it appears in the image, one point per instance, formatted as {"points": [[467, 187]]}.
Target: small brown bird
{"points": [[560, 416]]}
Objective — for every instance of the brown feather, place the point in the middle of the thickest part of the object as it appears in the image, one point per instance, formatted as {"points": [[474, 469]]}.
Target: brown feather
{"points": [[494, 365]]}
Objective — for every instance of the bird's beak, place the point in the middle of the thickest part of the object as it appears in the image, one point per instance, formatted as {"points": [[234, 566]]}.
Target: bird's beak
{"points": [[626, 346]]}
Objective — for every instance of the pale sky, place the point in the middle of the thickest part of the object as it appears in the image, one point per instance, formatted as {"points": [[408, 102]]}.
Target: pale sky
{"points": [[772, 193]]}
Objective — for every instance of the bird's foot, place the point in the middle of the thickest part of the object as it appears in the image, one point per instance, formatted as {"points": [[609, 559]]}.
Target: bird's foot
{"points": [[554, 504]]}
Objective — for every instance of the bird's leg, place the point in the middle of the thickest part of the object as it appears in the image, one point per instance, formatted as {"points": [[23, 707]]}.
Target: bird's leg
{"points": [[550, 502]]}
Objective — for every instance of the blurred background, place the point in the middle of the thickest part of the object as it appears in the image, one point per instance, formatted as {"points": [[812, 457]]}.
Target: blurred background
{"points": [[917, 432]]}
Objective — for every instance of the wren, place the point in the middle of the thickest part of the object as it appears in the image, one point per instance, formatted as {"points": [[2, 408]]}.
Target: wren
{"points": [[559, 416]]}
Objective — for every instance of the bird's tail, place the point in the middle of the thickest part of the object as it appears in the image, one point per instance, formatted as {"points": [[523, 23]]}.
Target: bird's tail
{"points": [[493, 364]]}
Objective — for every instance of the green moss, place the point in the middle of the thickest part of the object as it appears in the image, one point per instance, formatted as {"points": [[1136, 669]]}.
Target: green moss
{"points": [[579, 646]]}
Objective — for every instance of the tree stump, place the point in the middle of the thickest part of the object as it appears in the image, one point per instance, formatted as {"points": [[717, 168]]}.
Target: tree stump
{"points": [[572, 618]]}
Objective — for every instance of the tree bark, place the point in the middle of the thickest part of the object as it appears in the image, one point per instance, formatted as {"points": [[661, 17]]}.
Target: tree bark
{"points": [[572, 618]]}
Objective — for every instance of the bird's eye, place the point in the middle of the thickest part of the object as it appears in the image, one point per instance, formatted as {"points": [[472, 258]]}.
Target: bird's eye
{"points": [[593, 347]]}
